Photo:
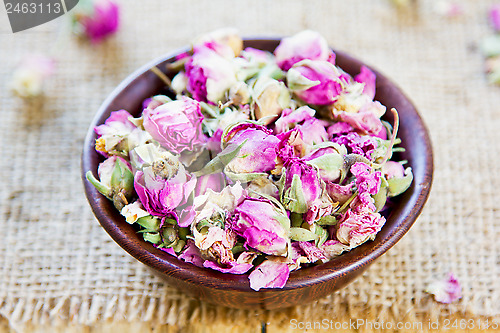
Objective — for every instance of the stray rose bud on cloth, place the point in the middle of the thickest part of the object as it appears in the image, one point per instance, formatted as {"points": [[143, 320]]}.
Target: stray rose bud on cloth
{"points": [[96, 19], [29, 77], [447, 290], [261, 164], [490, 47]]}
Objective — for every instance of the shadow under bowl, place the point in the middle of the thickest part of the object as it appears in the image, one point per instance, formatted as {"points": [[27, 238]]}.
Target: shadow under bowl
{"points": [[304, 285]]}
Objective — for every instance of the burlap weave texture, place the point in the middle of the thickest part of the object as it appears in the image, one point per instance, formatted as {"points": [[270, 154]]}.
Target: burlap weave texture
{"points": [[57, 265]]}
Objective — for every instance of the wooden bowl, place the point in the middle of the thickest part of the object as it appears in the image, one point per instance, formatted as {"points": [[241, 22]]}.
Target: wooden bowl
{"points": [[304, 285]]}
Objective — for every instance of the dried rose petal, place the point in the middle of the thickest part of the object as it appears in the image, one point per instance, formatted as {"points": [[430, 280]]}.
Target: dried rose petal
{"points": [[269, 274], [447, 290], [367, 77], [366, 181]]}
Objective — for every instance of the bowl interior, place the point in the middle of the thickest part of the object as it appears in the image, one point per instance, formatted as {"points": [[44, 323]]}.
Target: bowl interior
{"points": [[143, 83]]}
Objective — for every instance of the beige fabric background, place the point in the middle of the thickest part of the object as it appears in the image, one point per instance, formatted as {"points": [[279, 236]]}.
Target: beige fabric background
{"points": [[58, 267]]}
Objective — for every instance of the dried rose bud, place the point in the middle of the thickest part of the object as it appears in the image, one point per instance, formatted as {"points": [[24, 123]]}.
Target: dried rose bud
{"points": [[239, 93], [209, 75], [398, 179], [176, 125], [162, 196], [301, 187], [258, 151], [304, 45], [116, 180], [290, 118], [98, 19], [354, 229], [269, 97], [226, 42], [262, 225], [316, 82], [28, 79], [114, 134]]}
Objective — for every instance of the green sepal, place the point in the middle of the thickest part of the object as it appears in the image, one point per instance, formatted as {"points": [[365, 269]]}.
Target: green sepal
{"points": [[149, 223], [396, 186], [349, 160], [380, 198], [179, 245], [243, 177], [298, 82], [103, 189], [238, 248], [219, 162], [331, 162], [327, 220], [322, 235], [301, 234], [122, 179], [296, 219], [152, 237], [294, 198], [183, 233]]}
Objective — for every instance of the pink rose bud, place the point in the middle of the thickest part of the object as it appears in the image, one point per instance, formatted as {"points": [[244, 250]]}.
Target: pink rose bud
{"points": [[163, 187], [113, 134], [100, 20], [258, 152], [226, 42], [302, 186], [366, 119], [304, 45], [116, 181], [176, 125], [495, 17], [263, 226], [333, 248], [313, 131], [316, 82], [216, 245], [209, 75]]}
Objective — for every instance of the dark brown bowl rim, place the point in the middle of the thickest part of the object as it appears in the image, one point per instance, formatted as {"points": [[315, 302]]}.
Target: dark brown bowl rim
{"points": [[355, 260]]}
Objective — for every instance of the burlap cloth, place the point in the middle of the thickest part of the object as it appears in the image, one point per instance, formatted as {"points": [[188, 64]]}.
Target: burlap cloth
{"points": [[59, 267]]}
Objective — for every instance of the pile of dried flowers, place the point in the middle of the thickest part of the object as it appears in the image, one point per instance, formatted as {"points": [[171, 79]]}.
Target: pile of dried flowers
{"points": [[261, 163]]}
